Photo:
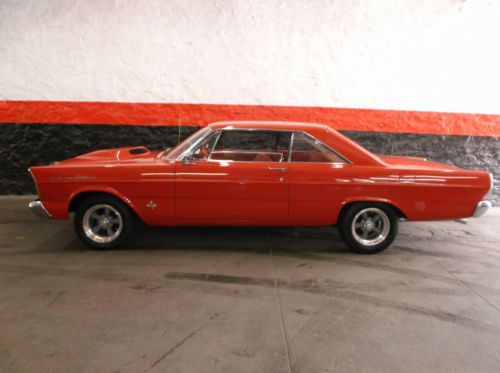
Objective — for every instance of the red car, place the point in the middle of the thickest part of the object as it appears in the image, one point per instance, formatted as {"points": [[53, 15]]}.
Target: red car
{"points": [[256, 173]]}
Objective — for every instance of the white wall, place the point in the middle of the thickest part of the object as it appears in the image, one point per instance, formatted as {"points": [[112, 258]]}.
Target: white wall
{"points": [[439, 55]]}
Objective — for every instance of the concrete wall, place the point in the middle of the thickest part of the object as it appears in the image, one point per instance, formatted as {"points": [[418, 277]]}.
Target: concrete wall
{"points": [[431, 55]]}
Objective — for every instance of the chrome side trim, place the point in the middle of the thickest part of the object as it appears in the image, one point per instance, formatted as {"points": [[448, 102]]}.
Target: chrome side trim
{"points": [[39, 209], [217, 134], [481, 208], [290, 147], [34, 180]]}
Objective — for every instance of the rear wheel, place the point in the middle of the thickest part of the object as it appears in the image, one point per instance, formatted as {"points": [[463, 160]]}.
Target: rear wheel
{"points": [[103, 222], [368, 228]]}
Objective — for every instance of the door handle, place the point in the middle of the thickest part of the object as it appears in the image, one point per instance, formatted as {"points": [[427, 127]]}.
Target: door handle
{"points": [[279, 169]]}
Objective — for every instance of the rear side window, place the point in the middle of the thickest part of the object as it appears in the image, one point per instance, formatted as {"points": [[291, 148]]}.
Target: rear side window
{"points": [[252, 146], [307, 149]]}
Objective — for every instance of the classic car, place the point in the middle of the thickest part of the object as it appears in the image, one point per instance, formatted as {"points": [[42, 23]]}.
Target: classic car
{"points": [[256, 174]]}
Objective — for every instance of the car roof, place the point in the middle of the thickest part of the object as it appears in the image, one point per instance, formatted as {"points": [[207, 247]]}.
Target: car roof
{"points": [[348, 148], [292, 126]]}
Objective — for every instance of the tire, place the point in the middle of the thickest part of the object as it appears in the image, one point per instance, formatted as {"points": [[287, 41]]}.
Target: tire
{"points": [[368, 227], [103, 222]]}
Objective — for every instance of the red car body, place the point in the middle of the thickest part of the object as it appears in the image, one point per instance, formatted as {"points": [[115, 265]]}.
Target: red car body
{"points": [[167, 191]]}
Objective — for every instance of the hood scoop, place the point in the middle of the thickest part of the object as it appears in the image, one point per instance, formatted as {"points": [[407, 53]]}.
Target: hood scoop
{"points": [[120, 154], [132, 152], [139, 150]]}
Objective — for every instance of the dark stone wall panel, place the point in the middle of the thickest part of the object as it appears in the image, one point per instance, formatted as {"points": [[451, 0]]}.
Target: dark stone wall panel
{"points": [[24, 145]]}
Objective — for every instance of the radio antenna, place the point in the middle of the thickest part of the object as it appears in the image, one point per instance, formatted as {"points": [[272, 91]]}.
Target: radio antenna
{"points": [[179, 129]]}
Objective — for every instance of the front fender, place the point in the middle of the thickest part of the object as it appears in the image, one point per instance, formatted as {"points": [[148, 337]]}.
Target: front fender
{"points": [[60, 209]]}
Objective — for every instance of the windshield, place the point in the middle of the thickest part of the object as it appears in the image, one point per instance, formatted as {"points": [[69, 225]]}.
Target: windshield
{"points": [[184, 145]]}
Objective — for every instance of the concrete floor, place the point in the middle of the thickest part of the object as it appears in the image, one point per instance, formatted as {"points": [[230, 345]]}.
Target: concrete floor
{"points": [[248, 300]]}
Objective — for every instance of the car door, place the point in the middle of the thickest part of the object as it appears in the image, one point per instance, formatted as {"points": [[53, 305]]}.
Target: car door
{"points": [[236, 177], [320, 180]]}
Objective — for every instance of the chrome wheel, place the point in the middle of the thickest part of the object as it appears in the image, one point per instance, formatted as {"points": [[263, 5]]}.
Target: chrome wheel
{"points": [[370, 226], [102, 223]]}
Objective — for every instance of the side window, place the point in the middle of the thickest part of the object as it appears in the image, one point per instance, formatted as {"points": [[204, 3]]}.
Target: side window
{"points": [[252, 146], [202, 152], [306, 149]]}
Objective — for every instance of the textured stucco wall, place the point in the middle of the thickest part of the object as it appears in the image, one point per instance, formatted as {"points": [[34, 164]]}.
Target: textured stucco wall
{"points": [[429, 55], [432, 55]]}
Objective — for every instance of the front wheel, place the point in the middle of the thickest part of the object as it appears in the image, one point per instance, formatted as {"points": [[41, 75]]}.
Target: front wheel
{"points": [[103, 222], [368, 228]]}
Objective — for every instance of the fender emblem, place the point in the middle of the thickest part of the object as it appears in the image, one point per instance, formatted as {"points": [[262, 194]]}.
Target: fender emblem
{"points": [[151, 205]]}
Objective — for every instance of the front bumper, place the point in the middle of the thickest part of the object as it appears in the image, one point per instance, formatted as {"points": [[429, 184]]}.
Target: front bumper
{"points": [[481, 208], [39, 209]]}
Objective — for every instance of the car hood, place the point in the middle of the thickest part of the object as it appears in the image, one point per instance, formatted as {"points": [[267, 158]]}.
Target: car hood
{"points": [[134, 154], [413, 162]]}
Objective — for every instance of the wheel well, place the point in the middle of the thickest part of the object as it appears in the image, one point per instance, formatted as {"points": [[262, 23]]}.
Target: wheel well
{"points": [[400, 213], [84, 195]]}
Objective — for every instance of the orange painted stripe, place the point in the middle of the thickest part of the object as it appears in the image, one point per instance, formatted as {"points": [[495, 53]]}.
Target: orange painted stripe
{"points": [[202, 114]]}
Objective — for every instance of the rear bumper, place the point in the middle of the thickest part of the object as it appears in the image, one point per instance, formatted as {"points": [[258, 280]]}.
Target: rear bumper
{"points": [[481, 208], [39, 209]]}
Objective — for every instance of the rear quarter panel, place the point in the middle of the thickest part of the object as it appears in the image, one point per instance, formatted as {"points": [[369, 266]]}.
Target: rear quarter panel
{"points": [[318, 192], [438, 194]]}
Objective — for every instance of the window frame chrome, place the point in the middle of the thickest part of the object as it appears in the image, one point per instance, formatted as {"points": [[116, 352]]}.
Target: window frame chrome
{"points": [[290, 147], [186, 152], [215, 134], [219, 132]]}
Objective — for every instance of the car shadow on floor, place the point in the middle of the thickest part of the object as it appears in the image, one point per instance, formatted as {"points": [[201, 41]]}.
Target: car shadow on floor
{"points": [[251, 239], [258, 239], [230, 239]]}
